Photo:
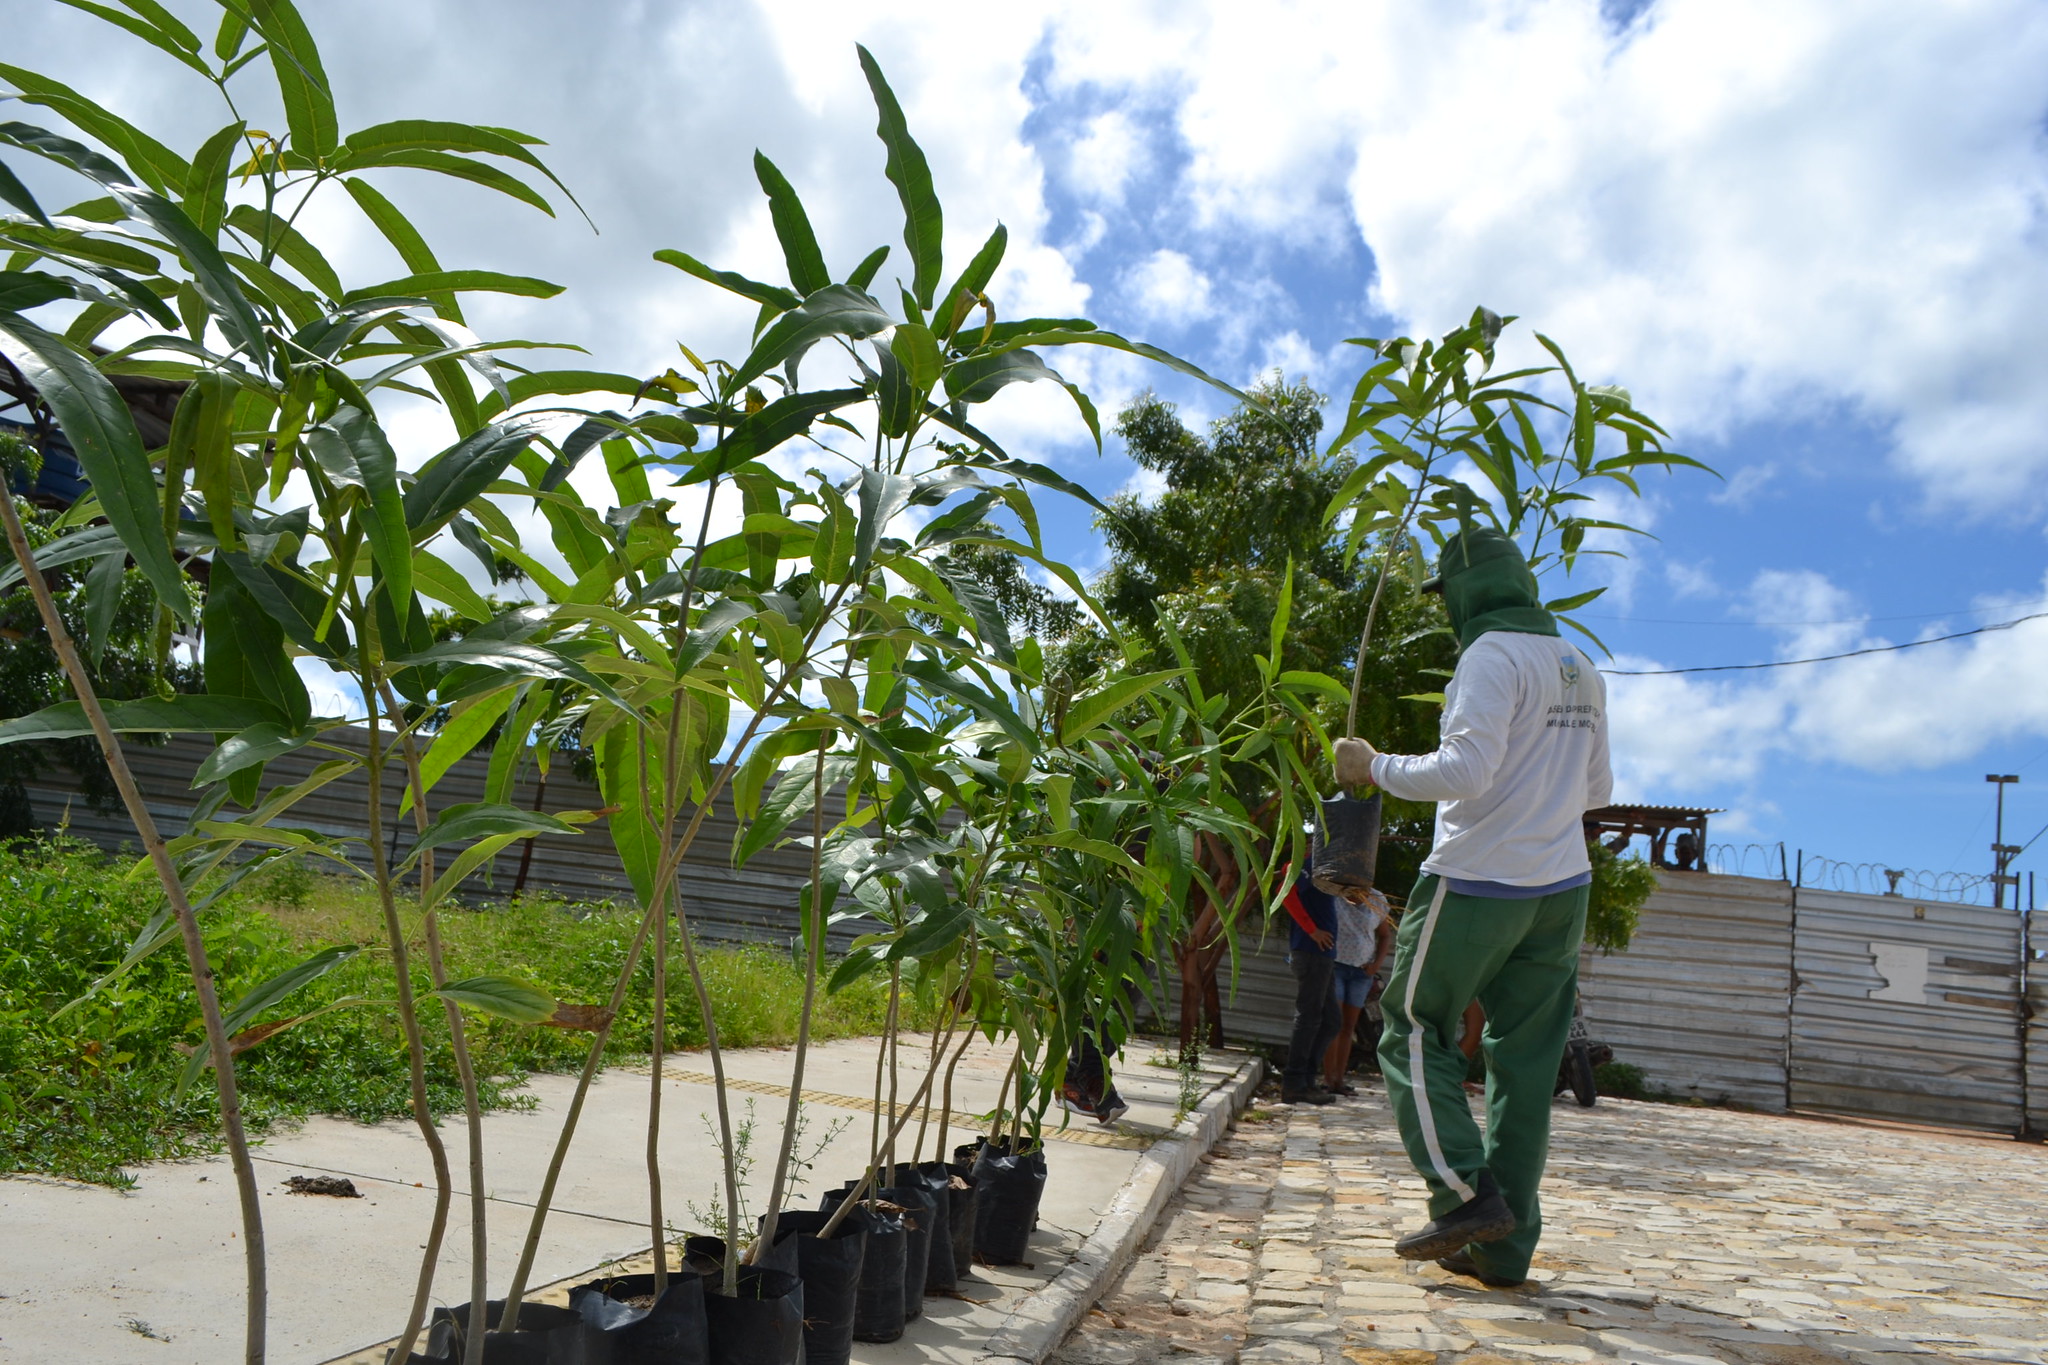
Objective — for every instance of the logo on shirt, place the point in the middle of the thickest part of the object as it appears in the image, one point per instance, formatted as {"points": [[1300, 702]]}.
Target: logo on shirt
{"points": [[1568, 669]]}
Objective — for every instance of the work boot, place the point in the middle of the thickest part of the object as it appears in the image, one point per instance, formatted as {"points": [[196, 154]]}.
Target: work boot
{"points": [[1485, 1217], [1305, 1095], [1460, 1262]]}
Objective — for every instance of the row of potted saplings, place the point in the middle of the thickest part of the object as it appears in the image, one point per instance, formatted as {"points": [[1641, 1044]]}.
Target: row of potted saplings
{"points": [[855, 1269]]}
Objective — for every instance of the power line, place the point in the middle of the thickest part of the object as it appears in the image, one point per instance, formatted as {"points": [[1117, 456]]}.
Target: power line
{"points": [[1851, 621], [1821, 658]]}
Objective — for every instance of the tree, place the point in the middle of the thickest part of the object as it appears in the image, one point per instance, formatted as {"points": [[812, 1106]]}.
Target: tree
{"points": [[1209, 555]]}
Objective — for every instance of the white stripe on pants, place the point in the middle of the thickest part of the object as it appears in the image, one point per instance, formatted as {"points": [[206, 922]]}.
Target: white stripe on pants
{"points": [[1418, 1080]]}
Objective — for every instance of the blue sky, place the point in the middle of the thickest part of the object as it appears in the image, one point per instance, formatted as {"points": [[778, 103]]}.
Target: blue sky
{"points": [[1811, 238]]}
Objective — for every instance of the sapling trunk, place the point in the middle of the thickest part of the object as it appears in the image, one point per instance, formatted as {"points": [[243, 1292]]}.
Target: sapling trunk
{"points": [[860, 1187], [408, 1018], [732, 1184], [218, 1044], [924, 1121], [815, 929], [472, 1110], [995, 1134], [946, 1100], [657, 1050], [1017, 1121], [889, 1043], [516, 1292]]}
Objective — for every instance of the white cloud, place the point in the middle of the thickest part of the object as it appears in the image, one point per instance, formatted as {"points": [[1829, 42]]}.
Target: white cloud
{"points": [[1746, 210], [1912, 710], [1108, 152], [1169, 288]]}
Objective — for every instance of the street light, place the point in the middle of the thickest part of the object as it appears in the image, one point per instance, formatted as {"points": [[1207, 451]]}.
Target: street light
{"points": [[2002, 853]]}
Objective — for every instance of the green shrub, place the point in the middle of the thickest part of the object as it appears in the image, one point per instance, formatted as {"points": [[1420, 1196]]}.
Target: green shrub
{"points": [[1620, 1080], [84, 1094], [1620, 888]]}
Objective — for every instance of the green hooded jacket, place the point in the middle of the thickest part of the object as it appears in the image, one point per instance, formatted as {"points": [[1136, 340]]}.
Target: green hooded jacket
{"points": [[1487, 586]]}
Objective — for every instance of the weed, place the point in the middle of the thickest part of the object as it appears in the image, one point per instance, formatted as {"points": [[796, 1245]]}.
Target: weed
{"points": [[711, 1216], [90, 1089], [143, 1329], [1620, 1080]]}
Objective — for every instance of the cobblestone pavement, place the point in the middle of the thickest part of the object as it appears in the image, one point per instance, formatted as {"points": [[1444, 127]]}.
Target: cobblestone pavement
{"points": [[1673, 1236]]}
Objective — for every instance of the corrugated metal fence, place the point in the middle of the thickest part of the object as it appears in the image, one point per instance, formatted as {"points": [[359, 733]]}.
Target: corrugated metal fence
{"points": [[1898, 1008], [1736, 988], [757, 902]]}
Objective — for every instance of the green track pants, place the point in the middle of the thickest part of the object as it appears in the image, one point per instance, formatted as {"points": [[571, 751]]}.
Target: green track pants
{"points": [[1520, 960]]}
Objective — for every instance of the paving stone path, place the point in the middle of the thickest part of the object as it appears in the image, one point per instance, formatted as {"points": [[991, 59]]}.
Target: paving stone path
{"points": [[1673, 1236]]}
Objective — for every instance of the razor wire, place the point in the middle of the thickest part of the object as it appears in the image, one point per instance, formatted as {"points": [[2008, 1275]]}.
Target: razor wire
{"points": [[1771, 862]]}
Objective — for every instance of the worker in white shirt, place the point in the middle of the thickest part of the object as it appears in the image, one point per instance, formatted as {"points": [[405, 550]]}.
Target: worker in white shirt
{"points": [[1499, 912]]}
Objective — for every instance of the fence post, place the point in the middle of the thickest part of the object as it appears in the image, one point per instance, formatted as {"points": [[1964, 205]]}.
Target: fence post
{"points": [[2026, 914], [1791, 965]]}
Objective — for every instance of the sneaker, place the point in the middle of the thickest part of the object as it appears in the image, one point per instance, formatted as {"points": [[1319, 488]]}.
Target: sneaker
{"points": [[1312, 1095], [1075, 1102], [1460, 1262], [1485, 1217], [1111, 1108]]}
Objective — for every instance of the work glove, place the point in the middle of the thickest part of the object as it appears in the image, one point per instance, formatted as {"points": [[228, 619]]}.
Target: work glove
{"points": [[1354, 762]]}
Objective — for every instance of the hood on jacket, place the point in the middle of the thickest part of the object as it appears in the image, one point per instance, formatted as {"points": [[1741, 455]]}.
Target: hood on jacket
{"points": [[1487, 585]]}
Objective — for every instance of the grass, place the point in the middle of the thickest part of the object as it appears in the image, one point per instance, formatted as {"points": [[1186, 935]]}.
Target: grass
{"points": [[90, 1092]]}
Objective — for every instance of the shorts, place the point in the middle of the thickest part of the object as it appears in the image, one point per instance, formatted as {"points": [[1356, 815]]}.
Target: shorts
{"points": [[1352, 985]]}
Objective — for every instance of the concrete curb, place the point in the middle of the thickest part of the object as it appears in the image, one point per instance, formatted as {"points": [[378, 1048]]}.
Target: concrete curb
{"points": [[1039, 1324]]}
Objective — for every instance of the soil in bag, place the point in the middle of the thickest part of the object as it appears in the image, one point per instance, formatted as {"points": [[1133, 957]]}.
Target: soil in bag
{"points": [[960, 1177], [706, 1255], [762, 1324], [547, 1335], [830, 1268], [878, 1303], [1007, 1187], [636, 1328], [936, 1181]]}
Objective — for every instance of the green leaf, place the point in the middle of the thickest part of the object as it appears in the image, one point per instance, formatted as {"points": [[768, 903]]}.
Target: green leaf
{"points": [[254, 746], [512, 661], [157, 166], [502, 996], [181, 714], [149, 33], [102, 433], [463, 732], [272, 992], [301, 80], [793, 229], [918, 349], [1091, 709], [835, 310], [1573, 602], [959, 301], [274, 234], [245, 651], [864, 274], [760, 432], [206, 189], [923, 223], [436, 578], [16, 193], [458, 168], [437, 136], [23, 290], [470, 821], [457, 281], [771, 295], [210, 272], [457, 476], [351, 449], [1318, 682]]}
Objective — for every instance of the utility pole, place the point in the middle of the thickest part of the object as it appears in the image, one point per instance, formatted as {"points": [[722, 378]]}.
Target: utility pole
{"points": [[2002, 853]]}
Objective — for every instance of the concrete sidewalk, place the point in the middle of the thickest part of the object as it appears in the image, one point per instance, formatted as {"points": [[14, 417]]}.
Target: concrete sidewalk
{"points": [[155, 1274]]}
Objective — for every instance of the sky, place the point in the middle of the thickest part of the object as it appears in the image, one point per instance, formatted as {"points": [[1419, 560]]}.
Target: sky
{"points": [[1810, 238]]}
